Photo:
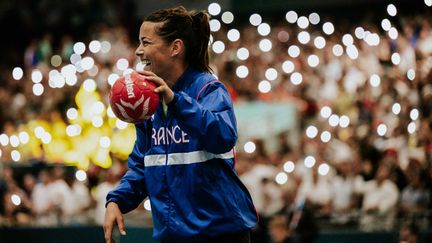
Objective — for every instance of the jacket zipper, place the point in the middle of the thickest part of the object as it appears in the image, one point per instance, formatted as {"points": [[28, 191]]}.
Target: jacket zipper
{"points": [[165, 120]]}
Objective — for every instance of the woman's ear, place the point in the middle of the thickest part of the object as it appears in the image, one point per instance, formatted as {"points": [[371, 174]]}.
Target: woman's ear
{"points": [[177, 47]]}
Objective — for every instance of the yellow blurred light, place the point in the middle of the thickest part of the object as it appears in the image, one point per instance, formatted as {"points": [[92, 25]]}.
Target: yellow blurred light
{"points": [[102, 158]]}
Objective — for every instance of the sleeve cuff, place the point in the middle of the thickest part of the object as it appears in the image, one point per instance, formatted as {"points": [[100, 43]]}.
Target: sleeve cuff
{"points": [[112, 200], [174, 101]]}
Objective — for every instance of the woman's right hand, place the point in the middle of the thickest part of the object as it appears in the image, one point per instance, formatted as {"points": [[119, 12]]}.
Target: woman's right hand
{"points": [[113, 216], [163, 89]]}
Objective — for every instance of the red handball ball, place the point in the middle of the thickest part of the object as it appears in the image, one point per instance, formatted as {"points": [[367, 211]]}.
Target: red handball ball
{"points": [[132, 98]]}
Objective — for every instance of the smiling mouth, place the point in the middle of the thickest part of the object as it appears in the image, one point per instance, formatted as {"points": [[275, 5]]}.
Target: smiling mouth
{"points": [[145, 62]]}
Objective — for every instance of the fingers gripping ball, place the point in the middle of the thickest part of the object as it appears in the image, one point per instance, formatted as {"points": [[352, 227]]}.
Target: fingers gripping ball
{"points": [[132, 98]]}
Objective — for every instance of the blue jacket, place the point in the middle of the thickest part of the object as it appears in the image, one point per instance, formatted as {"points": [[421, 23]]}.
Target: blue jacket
{"points": [[184, 162]]}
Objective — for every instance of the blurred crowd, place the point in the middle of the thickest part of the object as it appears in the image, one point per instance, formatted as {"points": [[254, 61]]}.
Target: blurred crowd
{"points": [[361, 156]]}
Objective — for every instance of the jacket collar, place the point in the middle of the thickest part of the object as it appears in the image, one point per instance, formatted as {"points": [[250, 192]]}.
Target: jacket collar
{"points": [[186, 78]]}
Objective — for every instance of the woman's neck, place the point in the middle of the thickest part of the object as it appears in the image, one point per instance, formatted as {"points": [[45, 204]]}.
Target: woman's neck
{"points": [[176, 72]]}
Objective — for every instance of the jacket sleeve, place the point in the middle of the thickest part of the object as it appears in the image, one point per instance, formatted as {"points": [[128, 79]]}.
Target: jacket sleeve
{"points": [[209, 117], [131, 190]]}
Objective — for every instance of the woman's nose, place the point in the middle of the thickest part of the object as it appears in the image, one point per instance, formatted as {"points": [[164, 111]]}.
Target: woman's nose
{"points": [[139, 51]]}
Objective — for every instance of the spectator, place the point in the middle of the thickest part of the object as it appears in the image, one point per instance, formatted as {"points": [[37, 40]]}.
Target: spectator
{"points": [[344, 200], [43, 201], [109, 183], [380, 197]]}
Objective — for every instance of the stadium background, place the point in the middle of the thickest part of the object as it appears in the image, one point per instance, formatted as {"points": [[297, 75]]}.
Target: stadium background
{"points": [[314, 114]]}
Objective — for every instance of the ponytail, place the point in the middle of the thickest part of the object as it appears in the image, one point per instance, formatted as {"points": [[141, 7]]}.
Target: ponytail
{"points": [[201, 28]]}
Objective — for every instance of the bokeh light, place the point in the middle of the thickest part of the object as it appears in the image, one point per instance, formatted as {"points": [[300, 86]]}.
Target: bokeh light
{"points": [[375, 80], [17, 73], [265, 45], [214, 9], [4, 139], [328, 28], [325, 136], [333, 120], [337, 50], [359, 32], [15, 155], [249, 147], [264, 86], [264, 29], [323, 169], [147, 204], [281, 178], [414, 114], [381, 129], [412, 127], [302, 22], [16, 200], [291, 17], [314, 18], [89, 85], [227, 17], [311, 131], [393, 33], [391, 10], [215, 25], [395, 58], [95, 46], [309, 161], [296, 78], [242, 71], [396, 108], [218, 47], [288, 66], [24, 137], [347, 40], [233, 35], [289, 166], [319, 42], [81, 175], [36, 76], [38, 89], [313, 60], [255, 19], [242, 53], [325, 112], [79, 48], [303, 37], [411, 74], [344, 121], [386, 24], [271, 74], [293, 51]]}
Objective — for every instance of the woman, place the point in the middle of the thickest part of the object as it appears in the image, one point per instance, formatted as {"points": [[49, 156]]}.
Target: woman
{"points": [[183, 158]]}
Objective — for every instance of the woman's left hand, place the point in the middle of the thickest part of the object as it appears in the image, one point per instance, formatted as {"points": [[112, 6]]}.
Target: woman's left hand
{"points": [[163, 89]]}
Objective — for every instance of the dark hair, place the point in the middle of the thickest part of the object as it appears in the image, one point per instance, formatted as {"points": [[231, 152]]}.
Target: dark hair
{"points": [[190, 26]]}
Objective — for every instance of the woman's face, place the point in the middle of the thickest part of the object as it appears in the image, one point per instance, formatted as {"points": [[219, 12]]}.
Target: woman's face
{"points": [[153, 52]]}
